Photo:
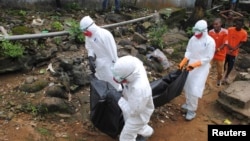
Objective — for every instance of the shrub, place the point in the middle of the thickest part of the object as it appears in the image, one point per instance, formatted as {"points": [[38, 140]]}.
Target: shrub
{"points": [[22, 13], [155, 35], [57, 26], [9, 49], [73, 6], [75, 32]]}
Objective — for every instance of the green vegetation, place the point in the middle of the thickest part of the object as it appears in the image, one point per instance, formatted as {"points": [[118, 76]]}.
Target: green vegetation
{"points": [[8, 49], [35, 110], [156, 35], [57, 26], [56, 17], [43, 131], [57, 40], [29, 107], [22, 13], [73, 6], [74, 31], [34, 87], [189, 31], [248, 30], [19, 30]]}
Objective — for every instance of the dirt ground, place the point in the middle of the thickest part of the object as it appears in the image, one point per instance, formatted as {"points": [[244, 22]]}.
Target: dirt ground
{"points": [[169, 127]]}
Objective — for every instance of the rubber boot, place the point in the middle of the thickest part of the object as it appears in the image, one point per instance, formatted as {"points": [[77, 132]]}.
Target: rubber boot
{"points": [[190, 115]]}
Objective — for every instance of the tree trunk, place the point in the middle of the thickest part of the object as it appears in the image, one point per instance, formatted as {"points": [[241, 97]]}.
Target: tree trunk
{"points": [[197, 14]]}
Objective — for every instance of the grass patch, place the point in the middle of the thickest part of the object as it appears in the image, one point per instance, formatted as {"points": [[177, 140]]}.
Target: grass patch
{"points": [[43, 131]]}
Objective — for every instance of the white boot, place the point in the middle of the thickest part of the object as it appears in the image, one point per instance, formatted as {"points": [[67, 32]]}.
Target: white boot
{"points": [[190, 115], [146, 131]]}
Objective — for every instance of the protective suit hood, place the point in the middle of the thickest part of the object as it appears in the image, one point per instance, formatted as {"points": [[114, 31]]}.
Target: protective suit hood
{"points": [[137, 102], [126, 67], [88, 22], [200, 27]]}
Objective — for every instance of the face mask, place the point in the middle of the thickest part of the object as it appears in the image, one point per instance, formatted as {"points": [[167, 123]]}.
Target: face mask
{"points": [[87, 33], [198, 35], [119, 80]]}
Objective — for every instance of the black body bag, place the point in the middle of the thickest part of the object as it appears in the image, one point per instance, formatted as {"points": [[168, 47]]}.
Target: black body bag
{"points": [[168, 87], [105, 112]]}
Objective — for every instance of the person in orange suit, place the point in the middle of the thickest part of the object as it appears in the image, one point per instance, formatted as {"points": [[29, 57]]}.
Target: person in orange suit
{"points": [[219, 35], [237, 36]]}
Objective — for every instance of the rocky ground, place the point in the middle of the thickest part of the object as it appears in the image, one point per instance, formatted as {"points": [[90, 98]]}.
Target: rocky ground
{"points": [[168, 121], [21, 92]]}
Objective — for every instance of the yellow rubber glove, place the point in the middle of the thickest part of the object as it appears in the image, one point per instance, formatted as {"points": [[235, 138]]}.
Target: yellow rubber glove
{"points": [[193, 65], [183, 62]]}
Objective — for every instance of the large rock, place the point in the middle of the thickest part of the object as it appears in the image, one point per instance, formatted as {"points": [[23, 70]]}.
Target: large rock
{"points": [[138, 38], [35, 86], [236, 99], [173, 15], [245, 46], [54, 104], [56, 91], [26, 62], [243, 62], [10, 65]]}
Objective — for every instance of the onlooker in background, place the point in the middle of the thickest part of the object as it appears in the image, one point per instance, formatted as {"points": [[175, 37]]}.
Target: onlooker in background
{"points": [[136, 102], [235, 39], [230, 16], [219, 34], [117, 6], [199, 53], [233, 4], [102, 50]]}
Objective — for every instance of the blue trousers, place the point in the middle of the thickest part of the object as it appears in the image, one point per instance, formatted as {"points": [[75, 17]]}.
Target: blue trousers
{"points": [[105, 4], [229, 64]]}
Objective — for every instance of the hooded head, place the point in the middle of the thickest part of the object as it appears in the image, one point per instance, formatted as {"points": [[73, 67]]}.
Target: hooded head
{"points": [[124, 69], [200, 29], [87, 26]]}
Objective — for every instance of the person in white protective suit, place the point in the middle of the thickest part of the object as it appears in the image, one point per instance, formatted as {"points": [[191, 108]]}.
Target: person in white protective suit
{"points": [[102, 50], [199, 53], [137, 102]]}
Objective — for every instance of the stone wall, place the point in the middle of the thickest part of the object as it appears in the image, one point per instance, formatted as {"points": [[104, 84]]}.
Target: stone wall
{"points": [[155, 4]]}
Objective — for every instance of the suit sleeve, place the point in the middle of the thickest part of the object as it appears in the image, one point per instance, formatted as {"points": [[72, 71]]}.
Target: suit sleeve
{"points": [[89, 48], [135, 104], [110, 45]]}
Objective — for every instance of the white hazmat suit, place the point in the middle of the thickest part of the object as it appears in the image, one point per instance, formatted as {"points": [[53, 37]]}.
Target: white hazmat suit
{"points": [[198, 50], [102, 46], [137, 102]]}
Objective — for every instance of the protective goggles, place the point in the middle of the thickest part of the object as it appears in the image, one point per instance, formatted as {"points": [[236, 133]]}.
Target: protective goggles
{"points": [[117, 78], [85, 29], [198, 30]]}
